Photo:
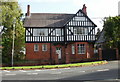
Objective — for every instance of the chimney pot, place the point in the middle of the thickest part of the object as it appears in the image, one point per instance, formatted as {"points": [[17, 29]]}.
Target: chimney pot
{"points": [[84, 9], [28, 10]]}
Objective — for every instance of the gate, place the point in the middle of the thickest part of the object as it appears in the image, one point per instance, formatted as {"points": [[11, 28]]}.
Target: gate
{"points": [[109, 54]]}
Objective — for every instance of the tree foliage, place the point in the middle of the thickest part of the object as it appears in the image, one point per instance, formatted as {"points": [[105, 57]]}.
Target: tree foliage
{"points": [[112, 31], [10, 17]]}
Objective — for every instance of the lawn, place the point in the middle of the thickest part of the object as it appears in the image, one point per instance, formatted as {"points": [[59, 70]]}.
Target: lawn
{"points": [[55, 66]]}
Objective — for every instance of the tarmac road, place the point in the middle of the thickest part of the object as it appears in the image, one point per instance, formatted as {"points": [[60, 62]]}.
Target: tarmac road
{"points": [[107, 72]]}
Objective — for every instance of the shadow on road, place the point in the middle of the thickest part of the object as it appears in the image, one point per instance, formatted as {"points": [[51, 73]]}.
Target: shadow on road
{"points": [[103, 75]]}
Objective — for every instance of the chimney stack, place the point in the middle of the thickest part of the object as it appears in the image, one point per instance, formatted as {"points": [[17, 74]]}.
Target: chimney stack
{"points": [[28, 10], [84, 9]]}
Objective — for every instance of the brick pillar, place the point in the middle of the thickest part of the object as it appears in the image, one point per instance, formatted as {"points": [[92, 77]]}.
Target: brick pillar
{"points": [[56, 59], [100, 53], [67, 58], [117, 53], [67, 54], [88, 51]]}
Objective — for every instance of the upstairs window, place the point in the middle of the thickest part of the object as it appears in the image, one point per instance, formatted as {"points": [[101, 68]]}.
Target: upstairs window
{"points": [[36, 47], [40, 32], [81, 48], [80, 31], [44, 47], [79, 19], [58, 32]]}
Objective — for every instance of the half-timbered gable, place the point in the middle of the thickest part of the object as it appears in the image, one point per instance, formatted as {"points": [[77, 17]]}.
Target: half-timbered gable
{"points": [[80, 28]]}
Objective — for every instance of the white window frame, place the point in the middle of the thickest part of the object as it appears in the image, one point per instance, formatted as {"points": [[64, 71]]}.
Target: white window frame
{"points": [[36, 47], [58, 32], [40, 32], [44, 47], [80, 19], [73, 48], [83, 31], [81, 48]]}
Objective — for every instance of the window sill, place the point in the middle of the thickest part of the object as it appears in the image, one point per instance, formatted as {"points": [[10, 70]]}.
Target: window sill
{"points": [[36, 51], [81, 53], [44, 51]]}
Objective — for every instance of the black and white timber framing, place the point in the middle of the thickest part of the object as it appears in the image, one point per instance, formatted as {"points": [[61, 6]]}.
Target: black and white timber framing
{"points": [[76, 27]]}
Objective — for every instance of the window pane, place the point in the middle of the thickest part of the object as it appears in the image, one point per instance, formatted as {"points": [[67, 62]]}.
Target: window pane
{"points": [[44, 47], [40, 32], [80, 30], [73, 49], [79, 18], [36, 47], [81, 48], [58, 32]]}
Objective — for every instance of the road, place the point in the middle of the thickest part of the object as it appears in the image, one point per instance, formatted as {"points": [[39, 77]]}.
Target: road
{"points": [[108, 72]]}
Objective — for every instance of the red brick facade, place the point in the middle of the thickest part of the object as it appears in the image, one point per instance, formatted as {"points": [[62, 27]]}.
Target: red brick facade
{"points": [[66, 57]]}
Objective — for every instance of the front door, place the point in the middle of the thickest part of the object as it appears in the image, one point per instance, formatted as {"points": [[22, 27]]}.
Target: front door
{"points": [[58, 51]]}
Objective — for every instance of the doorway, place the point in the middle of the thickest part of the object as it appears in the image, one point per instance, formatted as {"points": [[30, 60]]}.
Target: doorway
{"points": [[59, 52]]}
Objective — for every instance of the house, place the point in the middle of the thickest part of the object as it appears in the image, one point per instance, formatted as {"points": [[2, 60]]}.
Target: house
{"points": [[59, 38], [100, 42]]}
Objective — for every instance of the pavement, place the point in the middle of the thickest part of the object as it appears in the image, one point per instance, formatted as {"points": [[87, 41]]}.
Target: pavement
{"points": [[106, 72]]}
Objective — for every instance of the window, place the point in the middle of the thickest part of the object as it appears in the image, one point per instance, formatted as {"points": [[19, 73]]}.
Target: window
{"points": [[44, 47], [80, 30], [81, 48], [36, 47], [58, 32], [73, 49], [79, 18], [40, 32]]}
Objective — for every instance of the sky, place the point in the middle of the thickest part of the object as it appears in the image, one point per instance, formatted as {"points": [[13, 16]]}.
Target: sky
{"points": [[96, 9]]}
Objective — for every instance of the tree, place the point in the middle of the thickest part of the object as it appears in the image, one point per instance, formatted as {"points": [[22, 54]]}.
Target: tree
{"points": [[112, 32], [11, 13]]}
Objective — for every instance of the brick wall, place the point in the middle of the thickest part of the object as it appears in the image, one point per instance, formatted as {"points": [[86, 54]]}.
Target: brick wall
{"points": [[67, 55], [35, 55], [108, 54], [88, 54]]}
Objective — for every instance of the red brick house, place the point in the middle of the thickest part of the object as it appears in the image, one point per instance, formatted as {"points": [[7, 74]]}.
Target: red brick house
{"points": [[59, 38]]}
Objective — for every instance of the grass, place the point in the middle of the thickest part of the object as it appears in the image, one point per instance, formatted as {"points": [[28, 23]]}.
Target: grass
{"points": [[55, 66]]}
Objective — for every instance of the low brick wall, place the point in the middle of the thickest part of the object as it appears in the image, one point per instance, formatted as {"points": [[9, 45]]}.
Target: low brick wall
{"points": [[116, 54], [28, 63]]}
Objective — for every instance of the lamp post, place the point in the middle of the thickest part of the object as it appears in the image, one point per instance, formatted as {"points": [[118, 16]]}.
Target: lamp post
{"points": [[13, 41]]}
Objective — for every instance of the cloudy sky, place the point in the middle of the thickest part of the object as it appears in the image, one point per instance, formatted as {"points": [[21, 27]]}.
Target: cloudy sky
{"points": [[96, 9]]}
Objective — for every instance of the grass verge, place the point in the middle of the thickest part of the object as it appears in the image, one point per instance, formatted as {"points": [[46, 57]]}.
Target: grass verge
{"points": [[55, 66]]}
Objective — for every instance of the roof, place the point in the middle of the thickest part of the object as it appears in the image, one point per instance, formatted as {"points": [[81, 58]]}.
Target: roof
{"points": [[47, 20], [101, 38]]}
